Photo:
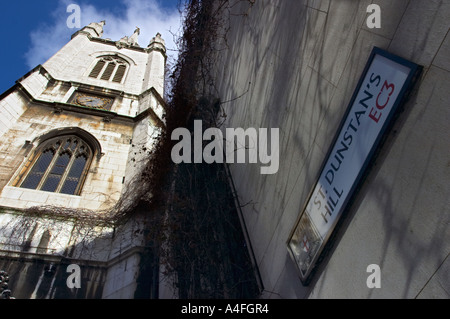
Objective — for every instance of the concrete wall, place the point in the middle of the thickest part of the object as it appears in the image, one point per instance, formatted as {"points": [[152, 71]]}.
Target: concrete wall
{"points": [[294, 65]]}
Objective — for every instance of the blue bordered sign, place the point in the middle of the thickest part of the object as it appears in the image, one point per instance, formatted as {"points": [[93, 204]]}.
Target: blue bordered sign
{"points": [[383, 87]]}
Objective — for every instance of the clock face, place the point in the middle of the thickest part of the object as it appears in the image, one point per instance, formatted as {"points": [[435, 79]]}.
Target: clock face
{"points": [[93, 101]]}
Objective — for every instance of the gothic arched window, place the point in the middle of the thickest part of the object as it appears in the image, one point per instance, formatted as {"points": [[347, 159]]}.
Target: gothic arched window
{"points": [[109, 68], [59, 165]]}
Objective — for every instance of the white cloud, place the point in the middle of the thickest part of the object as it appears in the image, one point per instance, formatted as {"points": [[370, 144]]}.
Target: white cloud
{"points": [[148, 15]]}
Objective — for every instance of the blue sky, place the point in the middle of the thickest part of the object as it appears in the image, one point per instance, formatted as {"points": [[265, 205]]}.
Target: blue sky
{"points": [[32, 31]]}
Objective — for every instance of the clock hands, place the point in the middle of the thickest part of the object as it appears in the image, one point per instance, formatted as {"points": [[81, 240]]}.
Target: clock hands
{"points": [[91, 101]]}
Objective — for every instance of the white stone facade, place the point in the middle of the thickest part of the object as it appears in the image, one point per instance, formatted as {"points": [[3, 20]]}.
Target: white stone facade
{"points": [[41, 105], [34, 108]]}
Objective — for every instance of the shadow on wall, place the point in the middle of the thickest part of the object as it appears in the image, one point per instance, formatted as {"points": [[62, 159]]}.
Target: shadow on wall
{"points": [[296, 85], [40, 272]]}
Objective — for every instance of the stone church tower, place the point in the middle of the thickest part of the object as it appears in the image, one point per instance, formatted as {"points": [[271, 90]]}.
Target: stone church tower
{"points": [[72, 133]]}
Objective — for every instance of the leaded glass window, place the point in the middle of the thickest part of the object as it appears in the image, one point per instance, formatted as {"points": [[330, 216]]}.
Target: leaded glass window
{"points": [[60, 166]]}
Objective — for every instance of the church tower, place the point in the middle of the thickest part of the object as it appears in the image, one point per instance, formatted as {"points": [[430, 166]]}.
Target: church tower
{"points": [[72, 131]]}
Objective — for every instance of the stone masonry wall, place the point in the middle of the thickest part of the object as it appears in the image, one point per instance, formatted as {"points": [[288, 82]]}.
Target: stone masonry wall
{"points": [[103, 185]]}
